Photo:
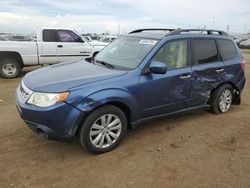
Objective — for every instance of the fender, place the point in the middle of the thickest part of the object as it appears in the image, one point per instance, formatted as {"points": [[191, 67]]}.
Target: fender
{"points": [[110, 95]]}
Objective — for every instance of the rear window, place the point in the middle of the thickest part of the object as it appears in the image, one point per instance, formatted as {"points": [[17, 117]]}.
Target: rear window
{"points": [[204, 51], [49, 35], [227, 49]]}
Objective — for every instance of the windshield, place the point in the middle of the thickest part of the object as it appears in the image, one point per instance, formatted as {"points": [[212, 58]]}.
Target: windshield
{"points": [[126, 52]]}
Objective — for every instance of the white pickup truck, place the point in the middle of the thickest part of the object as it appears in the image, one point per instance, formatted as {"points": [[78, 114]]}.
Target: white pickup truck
{"points": [[52, 46]]}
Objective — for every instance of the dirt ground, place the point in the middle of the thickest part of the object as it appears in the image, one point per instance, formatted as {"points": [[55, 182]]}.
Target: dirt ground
{"points": [[198, 149]]}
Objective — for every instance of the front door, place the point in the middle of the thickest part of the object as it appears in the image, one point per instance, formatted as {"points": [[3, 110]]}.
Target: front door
{"points": [[169, 92], [71, 47]]}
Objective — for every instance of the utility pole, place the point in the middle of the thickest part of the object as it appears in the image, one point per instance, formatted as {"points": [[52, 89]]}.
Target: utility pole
{"points": [[119, 29], [213, 23], [228, 27]]}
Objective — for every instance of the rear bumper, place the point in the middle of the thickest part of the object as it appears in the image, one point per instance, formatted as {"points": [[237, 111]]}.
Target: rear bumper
{"points": [[59, 122], [241, 84]]}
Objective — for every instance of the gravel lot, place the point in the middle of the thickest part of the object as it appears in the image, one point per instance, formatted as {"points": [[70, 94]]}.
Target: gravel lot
{"points": [[197, 149]]}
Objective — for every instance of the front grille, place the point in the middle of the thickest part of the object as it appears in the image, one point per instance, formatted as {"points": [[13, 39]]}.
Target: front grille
{"points": [[23, 93]]}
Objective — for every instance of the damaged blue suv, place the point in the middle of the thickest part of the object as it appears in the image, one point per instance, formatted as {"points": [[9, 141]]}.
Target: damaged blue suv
{"points": [[145, 74]]}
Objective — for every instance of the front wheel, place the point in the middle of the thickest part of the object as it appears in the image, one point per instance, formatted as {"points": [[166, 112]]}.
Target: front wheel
{"points": [[222, 99], [103, 129]]}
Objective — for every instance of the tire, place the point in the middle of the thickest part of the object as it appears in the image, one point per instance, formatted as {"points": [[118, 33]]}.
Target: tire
{"points": [[103, 129], [221, 99], [10, 68]]}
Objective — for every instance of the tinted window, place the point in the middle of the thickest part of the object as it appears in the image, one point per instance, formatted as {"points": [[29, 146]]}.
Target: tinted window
{"points": [[68, 36], [204, 51], [174, 54], [49, 35], [227, 49]]}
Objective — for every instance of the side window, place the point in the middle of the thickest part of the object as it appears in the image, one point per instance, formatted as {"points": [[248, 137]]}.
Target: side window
{"points": [[174, 54], [227, 49], [68, 36], [204, 51], [49, 35]]}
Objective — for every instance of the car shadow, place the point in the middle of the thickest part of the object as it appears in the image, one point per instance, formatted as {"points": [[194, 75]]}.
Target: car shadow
{"points": [[168, 122]]}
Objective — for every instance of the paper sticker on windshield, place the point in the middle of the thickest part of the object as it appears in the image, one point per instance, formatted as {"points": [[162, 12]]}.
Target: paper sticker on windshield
{"points": [[148, 42]]}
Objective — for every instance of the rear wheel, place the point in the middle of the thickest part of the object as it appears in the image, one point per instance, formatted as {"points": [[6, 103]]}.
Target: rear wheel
{"points": [[10, 68], [222, 98], [103, 129]]}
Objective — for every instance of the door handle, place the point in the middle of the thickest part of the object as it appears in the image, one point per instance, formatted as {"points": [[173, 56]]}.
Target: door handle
{"points": [[185, 76], [59, 46], [219, 70]]}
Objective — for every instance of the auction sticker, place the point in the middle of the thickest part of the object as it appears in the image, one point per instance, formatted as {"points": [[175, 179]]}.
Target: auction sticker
{"points": [[148, 42]]}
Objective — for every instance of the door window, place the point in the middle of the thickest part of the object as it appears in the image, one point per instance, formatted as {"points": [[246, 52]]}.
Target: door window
{"points": [[68, 36], [174, 54], [204, 51], [227, 49], [49, 35]]}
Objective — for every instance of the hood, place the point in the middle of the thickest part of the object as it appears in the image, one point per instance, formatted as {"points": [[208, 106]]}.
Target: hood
{"points": [[98, 43], [61, 77]]}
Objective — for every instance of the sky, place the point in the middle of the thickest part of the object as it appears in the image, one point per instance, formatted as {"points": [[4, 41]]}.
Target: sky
{"points": [[26, 16]]}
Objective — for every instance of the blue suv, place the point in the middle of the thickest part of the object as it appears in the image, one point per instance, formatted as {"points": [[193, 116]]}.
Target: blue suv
{"points": [[145, 74]]}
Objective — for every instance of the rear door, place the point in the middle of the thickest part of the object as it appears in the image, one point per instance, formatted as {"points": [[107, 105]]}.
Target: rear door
{"points": [[232, 59], [71, 47], [208, 70]]}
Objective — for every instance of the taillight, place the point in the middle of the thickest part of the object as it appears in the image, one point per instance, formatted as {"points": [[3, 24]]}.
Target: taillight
{"points": [[243, 64]]}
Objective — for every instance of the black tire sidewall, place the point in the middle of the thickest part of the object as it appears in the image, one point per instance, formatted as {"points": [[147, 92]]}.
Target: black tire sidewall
{"points": [[84, 134], [12, 61]]}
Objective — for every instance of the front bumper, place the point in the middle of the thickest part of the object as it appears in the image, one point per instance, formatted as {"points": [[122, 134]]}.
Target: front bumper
{"points": [[58, 122]]}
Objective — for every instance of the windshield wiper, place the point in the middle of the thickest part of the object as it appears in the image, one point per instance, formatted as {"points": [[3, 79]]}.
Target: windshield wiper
{"points": [[105, 64]]}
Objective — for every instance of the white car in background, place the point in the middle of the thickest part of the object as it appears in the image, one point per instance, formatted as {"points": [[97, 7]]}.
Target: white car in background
{"points": [[52, 46], [95, 42], [108, 38], [245, 44]]}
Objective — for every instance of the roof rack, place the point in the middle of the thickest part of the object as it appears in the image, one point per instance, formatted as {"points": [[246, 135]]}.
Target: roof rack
{"points": [[151, 29], [180, 31], [202, 31]]}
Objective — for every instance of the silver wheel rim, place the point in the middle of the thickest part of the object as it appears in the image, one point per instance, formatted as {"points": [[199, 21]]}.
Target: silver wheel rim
{"points": [[225, 100], [9, 69], [105, 131]]}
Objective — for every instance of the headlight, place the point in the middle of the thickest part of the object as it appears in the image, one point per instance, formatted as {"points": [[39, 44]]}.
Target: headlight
{"points": [[47, 99]]}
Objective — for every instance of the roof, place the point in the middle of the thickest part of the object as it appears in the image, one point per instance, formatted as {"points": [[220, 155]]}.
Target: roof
{"points": [[152, 35], [156, 33]]}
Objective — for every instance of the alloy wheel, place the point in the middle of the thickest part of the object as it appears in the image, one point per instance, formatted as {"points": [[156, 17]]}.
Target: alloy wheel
{"points": [[225, 100], [105, 131], [9, 69]]}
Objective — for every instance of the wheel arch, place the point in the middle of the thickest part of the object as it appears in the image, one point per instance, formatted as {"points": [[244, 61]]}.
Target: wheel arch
{"points": [[122, 100], [236, 92], [12, 54]]}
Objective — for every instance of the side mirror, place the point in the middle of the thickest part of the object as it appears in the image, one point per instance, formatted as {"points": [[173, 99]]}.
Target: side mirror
{"points": [[157, 67], [90, 59]]}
